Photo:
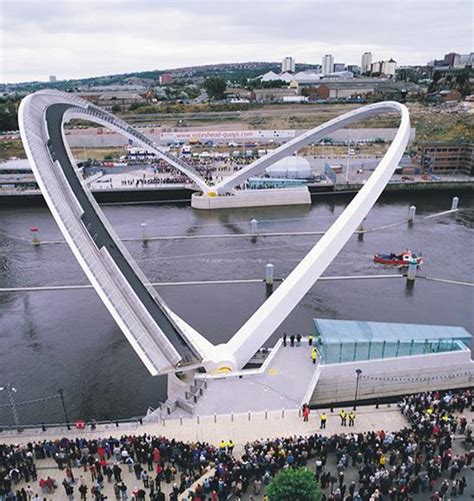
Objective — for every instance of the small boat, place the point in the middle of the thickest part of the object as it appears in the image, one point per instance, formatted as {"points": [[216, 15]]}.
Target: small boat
{"points": [[402, 259]]}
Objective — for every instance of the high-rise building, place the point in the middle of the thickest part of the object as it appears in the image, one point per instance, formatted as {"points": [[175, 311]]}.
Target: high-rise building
{"points": [[451, 59], [338, 67], [366, 62], [328, 64], [288, 64], [388, 67], [52, 78], [376, 67], [466, 59]]}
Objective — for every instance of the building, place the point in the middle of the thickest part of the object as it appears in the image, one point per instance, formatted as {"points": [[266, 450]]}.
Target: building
{"points": [[388, 68], [451, 59], [328, 64], [166, 79], [447, 158], [449, 96], [52, 78], [376, 68], [294, 167], [386, 359], [288, 64], [274, 94], [366, 62], [338, 67], [337, 89], [391, 90], [354, 69], [466, 59], [109, 100]]}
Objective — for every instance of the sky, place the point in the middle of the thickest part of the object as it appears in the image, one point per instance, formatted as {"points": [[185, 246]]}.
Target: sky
{"points": [[82, 38]]}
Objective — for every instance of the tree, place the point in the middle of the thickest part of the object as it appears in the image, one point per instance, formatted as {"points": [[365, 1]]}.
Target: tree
{"points": [[215, 87], [294, 484], [116, 108]]}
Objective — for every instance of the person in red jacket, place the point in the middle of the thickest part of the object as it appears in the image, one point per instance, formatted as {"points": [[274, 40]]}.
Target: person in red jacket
{"points": [[306, 412]]}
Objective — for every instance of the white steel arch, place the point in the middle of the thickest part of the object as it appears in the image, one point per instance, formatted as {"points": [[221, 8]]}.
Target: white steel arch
{"points": [[261, 325], [149, 336], [304, 139]]}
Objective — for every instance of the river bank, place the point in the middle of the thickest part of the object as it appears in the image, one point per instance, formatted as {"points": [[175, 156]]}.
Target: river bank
{"points": [[171, 194]]}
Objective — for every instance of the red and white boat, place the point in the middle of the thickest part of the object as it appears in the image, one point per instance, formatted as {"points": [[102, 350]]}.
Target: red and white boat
{"points": [[402, 259]]}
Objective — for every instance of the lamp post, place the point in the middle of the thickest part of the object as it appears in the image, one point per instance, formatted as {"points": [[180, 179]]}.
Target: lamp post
{"points": [[10, 389], [61, 396], [358, 372]]}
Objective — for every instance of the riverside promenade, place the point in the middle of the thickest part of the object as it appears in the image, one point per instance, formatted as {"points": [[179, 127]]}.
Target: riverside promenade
{"points": [[241, 428]]}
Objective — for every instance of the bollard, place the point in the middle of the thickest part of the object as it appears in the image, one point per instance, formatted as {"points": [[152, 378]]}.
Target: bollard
{"points": [[181, 420], [198, 419], [411, 273], [144, 234], [249, 415], [254, 230], [283, 413], [35, 235], [215, 418], [455, 203], [411, 214], [232, 417], [269, 279], [361, 231], [269, 274], [266, 414]]}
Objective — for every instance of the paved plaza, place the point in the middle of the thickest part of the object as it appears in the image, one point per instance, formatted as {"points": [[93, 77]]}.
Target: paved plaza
{"points": [[240, 428]]}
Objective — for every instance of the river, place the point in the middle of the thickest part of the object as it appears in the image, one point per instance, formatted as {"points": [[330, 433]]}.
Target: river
{"points": [[68, 340]]}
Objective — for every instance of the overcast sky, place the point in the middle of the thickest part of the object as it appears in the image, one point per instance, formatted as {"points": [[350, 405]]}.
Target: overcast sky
{"points": [[79, 38]]}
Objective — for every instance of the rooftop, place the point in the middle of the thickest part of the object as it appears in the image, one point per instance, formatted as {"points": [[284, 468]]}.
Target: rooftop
{"points": [[350, 331]]}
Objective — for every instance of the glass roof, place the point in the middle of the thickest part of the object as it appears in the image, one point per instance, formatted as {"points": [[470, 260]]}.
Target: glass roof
{"points": [[350, 331]]}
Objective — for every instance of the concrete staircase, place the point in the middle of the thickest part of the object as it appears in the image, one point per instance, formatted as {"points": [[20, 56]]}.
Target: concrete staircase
{"points": [[181, 404]]}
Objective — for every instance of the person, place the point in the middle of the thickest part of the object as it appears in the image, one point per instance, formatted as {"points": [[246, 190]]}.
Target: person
{"points": [[284, 339], [306, 412], [310, 340], [352, 416], [314, 355], [298, 339], [292, 340], [123, 491], [83, 491], [343, 416], [324, 419]]}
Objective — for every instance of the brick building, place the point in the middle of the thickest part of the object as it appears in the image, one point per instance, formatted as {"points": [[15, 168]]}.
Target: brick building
{"points": [[447, 158]]}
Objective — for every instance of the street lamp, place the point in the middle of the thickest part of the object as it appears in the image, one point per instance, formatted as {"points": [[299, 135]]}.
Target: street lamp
{"points": [[358, 372], [61, 396], [10, 389]]}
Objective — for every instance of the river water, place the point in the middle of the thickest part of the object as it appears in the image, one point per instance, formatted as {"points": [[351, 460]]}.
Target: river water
{"points": [[68, 340]]}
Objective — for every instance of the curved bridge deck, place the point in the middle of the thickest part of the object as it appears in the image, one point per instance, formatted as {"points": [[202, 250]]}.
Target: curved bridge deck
{"points": [[146, 321]]}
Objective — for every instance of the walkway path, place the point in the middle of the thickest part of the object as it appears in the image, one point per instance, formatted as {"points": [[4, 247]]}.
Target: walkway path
{"points": [[241, 428]]}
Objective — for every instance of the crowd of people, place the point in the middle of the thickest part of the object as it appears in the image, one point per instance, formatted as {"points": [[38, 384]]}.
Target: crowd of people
{"points": [[378, 465]]}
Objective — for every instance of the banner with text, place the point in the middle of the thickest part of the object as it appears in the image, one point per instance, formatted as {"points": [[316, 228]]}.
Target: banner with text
{"points": [[220, 135]]}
